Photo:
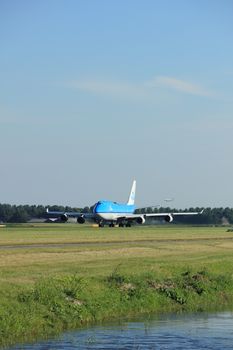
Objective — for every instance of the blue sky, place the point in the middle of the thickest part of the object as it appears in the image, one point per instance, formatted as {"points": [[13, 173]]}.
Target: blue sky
{"points": [[96, 93]]}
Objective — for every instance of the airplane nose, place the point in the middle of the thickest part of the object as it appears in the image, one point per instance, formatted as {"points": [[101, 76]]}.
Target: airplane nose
{"points": [[96, 208]]}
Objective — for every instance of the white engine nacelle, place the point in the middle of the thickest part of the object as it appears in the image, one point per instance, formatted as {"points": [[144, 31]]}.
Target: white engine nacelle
{"points": [[141, 220], [168, 218]]}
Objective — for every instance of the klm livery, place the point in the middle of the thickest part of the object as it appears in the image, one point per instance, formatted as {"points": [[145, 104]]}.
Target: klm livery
{"points": [[114, 213]]}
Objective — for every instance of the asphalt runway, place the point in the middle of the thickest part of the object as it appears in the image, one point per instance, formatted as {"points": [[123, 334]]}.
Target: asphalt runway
{"points": [[98, 243]]}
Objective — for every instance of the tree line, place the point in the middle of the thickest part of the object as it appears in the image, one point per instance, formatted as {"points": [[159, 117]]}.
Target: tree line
{"points": [[23, 213]]}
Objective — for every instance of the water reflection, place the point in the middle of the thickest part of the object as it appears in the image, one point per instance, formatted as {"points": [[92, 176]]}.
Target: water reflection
{"points": [[189, 332]]}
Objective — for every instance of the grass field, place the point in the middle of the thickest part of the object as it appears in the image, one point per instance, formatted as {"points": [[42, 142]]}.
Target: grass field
{"points": [[139, 249], [189, 268]]}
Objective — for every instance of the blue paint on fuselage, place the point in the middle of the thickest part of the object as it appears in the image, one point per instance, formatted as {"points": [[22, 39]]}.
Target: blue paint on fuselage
{"points": [[113, 207]]}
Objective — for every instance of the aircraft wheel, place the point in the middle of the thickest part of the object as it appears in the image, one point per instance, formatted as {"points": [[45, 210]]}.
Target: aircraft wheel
{"points": [[101, 224], [128, 224]]}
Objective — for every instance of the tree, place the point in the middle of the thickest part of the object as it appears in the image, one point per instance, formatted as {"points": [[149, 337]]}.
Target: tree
{"points": [[19, 215]]}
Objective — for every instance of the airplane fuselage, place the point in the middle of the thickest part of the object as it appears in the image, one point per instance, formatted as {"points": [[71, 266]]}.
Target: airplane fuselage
{"points": [[111, 211]]}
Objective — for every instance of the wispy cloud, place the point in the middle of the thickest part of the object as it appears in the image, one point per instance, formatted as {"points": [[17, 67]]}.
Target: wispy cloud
{"points": [[107, 87], [179, 85], [143, 90]]}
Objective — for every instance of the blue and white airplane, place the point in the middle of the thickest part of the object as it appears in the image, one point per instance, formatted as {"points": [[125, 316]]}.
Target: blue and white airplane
{"points": [[114, 213]]}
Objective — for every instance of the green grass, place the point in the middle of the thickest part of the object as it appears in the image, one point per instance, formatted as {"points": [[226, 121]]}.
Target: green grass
{"points": [[111, 273]]}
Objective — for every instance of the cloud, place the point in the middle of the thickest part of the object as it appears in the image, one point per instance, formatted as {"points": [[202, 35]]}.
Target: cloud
{"points": [[143, 90], [112, 88], [179, 85]]}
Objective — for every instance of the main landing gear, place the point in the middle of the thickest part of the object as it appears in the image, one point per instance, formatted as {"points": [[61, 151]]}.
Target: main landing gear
{"points": [[127, 224], [112, 224]]}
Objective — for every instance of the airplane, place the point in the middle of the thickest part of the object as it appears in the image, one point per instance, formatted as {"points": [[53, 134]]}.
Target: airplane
{"points": [[113, 213]]}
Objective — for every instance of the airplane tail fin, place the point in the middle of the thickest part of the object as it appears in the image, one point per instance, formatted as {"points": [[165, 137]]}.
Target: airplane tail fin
{"points": [[132, 194]]}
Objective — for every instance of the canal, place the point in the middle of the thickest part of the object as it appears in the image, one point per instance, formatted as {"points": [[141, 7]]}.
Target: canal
{"points": [[170, 331]]}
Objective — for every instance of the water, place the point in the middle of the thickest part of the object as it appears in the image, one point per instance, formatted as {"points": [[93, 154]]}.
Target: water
{"points": [[186, 331]]}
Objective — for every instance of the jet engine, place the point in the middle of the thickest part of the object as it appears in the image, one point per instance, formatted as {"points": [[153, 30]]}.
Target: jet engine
{"points": [[64, 217], [141, 220], [168, 218], [81, 219]]}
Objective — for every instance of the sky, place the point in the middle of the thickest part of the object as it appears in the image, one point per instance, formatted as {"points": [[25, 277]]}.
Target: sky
{"points": [[95, 94]]}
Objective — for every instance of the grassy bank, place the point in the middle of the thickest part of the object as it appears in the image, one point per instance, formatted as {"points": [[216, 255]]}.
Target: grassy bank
{"points": [[107, 273]]}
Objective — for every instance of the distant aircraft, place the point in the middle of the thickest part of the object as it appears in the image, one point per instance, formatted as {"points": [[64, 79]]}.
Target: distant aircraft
{"points": [[169, 199], [115, 213]]}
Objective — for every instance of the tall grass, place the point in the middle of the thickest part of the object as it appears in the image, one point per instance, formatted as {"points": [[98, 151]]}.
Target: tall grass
{"points": [[56, 304]]}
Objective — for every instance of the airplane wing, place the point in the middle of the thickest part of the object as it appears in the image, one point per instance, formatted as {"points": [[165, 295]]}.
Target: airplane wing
{"points": [[64, 216], [177, 214], [140, 218], [169, 216]]}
